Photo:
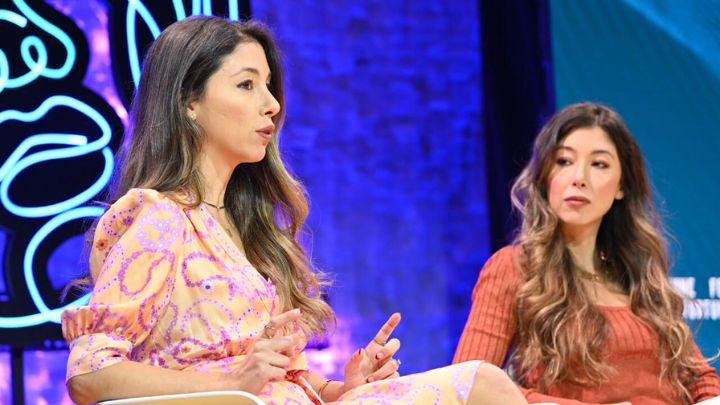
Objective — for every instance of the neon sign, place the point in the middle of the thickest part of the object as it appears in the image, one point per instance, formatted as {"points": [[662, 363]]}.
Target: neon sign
{"points": [[37, 147], [41, 80], [137, 7], [36, 68]]}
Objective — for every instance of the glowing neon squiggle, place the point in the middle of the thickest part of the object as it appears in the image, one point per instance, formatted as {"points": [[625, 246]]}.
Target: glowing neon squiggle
{"points": [[179, 9], [38, 67], [4, 70], [54, 146], [21, 22], [78, 146], [39, 318], [138, 7], [233, 11], [68, 145], [52, 315], [67, 210], [13, 17]]}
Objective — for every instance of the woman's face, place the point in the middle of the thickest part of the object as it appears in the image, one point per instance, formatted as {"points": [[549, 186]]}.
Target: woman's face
{"points": [[584, 180], [236, 111]]}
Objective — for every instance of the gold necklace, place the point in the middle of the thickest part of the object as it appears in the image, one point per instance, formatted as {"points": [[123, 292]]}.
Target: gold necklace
{"points": [[603, 277]]}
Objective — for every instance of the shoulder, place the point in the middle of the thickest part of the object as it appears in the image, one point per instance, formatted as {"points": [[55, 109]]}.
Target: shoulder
{"points": [[503, 266], [139, 201], [138, 206], [499, 277], [507, 257], [142, 198]]}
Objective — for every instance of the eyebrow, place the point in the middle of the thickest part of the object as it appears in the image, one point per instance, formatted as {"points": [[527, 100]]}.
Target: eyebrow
{"points": [[594, 152], [251, 70]]}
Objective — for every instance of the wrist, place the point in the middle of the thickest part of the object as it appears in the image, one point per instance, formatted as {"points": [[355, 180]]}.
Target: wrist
{"points": [[342, 388], [331, 390], [224, 382], [323, 387]]}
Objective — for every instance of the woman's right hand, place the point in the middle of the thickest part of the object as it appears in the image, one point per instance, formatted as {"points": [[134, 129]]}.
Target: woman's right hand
{"points": [[269, 357]]}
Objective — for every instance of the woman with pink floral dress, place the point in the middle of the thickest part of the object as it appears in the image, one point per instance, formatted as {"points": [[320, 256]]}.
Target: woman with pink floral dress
{"points": [[198, 281]]}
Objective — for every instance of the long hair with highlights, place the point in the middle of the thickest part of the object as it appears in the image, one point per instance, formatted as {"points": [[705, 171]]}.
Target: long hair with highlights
{"points": [[558, 327], [162, 147]]}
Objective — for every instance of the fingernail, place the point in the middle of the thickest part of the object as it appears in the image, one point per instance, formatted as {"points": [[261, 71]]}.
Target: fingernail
{"points": [[359, 352], [370, 379], [379, 355]]}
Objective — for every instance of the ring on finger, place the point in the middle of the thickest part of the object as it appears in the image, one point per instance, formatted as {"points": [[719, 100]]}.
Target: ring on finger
{"points": [[269, 331]]}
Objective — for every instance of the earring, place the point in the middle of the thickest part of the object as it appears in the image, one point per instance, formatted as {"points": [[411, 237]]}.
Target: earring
{"points": [[193, 116]]}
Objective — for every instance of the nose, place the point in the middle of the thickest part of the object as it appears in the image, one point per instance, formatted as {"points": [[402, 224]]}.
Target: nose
{"points": [[580, 178], [272, 106]]}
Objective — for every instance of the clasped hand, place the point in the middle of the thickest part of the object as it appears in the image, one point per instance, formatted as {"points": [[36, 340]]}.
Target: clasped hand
{"points": [[270, 357]]}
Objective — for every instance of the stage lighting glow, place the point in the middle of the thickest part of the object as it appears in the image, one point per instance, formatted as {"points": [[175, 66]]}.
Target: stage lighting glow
{"points": [[137, 7], [37, 67], [78, 146]]}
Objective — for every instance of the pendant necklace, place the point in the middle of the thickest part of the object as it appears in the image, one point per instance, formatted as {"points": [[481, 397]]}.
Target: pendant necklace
{"points": [[220, 208]]}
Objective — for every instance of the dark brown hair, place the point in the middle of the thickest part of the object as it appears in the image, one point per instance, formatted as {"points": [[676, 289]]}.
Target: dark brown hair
{"points": [[558, 327], [162, 146]]}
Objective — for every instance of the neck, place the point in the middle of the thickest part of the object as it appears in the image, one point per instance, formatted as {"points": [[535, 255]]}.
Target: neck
{"points": [[215, 178], [581, 243]]}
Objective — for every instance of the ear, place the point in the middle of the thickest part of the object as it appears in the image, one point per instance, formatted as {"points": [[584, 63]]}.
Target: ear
{"points": [[619, 195], [191, 113]]}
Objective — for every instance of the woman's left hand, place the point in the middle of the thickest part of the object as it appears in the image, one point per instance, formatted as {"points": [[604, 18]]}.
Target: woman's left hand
{"points": [[374, 362]]}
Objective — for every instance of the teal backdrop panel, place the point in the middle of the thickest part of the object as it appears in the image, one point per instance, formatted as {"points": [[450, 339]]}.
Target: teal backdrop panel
{"points": [[658, 63]]}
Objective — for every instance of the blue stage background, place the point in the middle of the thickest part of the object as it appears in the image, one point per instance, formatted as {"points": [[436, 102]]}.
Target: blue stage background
{"points": [[658, 63], [385, 128]]}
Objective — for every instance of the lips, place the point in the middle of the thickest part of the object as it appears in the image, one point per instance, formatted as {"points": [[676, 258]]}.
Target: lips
{"points": [[266, 132], [577, 200]]}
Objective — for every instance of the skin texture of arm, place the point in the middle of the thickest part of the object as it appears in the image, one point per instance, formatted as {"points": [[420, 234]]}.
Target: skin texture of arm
{"points": [[266, 361], [129, 379]]}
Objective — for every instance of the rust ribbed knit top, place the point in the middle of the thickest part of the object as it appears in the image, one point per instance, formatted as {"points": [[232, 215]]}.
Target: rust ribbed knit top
{"points": [[632, 347]]}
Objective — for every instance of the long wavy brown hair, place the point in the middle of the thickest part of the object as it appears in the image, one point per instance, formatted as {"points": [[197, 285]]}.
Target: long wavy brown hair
{"points": [[162, 146], [559, 329]]}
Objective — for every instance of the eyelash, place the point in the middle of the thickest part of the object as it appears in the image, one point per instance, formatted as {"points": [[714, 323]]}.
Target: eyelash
{"points": [[248, 85], [566, 162], [601, 165]]}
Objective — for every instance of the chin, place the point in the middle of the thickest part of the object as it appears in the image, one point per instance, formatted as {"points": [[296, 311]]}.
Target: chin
{"points": [[257, 159], [254, 158]]}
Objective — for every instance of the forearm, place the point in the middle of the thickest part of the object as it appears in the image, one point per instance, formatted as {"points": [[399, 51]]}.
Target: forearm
{"points": [[129, 379]]}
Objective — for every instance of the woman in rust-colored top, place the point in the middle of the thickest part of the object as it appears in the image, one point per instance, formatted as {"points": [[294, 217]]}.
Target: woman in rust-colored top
{"points": [[580, 309]]}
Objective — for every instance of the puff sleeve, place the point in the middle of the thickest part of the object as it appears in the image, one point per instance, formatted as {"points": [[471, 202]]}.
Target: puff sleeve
{"points": [[133, 263]]}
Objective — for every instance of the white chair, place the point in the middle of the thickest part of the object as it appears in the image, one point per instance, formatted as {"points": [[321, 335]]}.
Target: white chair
{"points": [[204, 398]]}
